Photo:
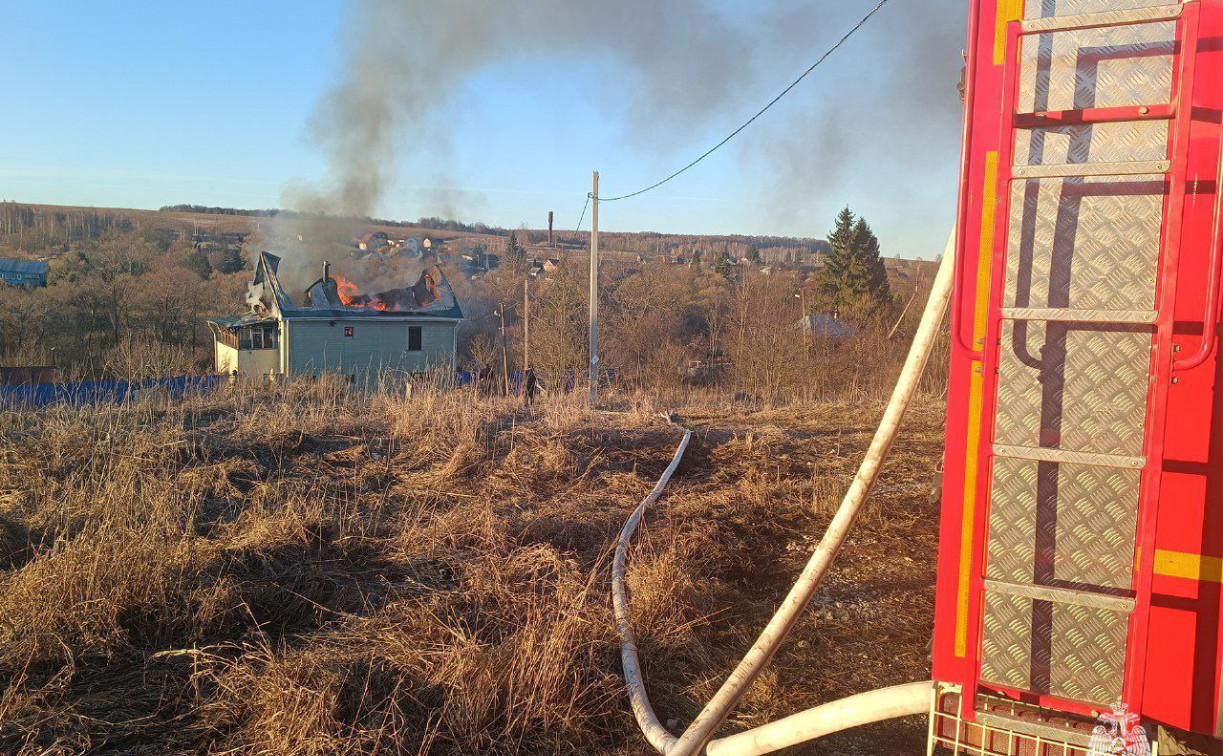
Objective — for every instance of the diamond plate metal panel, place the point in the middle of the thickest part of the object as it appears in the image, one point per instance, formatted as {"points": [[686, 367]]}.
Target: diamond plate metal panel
{"points": [[1062, 524], [1006, 641], [1087, 243], [1079, 170], [1115, 142], [1097, 68], [1052, 648], [1074, 386], [1049, 8]]}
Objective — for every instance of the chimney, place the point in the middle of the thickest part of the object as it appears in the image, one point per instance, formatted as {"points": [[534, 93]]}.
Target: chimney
{"points": [[549, 228], [326, 271]]}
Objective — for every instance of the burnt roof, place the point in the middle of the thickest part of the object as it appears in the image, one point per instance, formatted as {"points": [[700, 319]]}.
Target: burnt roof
{"points": [[431, 296]]}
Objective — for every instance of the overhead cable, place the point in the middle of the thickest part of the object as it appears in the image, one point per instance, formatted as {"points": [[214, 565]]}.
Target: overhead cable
{"points": [[853, 30], [582, 217]]}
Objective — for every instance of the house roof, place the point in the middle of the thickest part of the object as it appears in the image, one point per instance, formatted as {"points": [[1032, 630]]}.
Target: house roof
{"points": [[236, 321], [24, 267], [430, 297]]}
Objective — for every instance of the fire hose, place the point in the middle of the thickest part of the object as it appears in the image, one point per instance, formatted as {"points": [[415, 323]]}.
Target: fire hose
{"points": [[887, 703]]}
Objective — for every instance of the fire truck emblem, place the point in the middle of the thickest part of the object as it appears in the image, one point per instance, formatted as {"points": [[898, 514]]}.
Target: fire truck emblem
{"points": [[1119, 734]]}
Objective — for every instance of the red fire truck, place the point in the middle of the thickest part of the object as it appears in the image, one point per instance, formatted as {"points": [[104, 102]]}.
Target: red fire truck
{"points": [[1082, 514]]}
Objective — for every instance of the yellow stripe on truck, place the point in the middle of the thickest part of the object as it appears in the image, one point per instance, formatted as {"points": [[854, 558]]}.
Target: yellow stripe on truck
{"points": [[1008, 11], [1180, 564], [970, 508], [975, 390]]}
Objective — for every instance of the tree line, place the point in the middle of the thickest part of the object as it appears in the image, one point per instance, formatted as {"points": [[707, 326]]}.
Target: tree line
{"points": [[124, 306], [706, 322]]}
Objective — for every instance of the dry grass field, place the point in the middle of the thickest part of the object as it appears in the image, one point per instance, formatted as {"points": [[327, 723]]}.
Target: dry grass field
{"points": [[304, 571]]}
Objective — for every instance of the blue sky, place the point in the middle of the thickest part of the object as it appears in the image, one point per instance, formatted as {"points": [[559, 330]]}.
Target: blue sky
{"points": [[135, 104]]}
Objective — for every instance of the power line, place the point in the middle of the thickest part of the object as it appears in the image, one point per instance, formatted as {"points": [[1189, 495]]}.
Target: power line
{"points": [[760, 112], [582, 217]]}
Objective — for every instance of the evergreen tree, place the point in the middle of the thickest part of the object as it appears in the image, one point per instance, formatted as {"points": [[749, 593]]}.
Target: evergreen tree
{"points": [[516, 253], [233, 261], [198, 262], [479, 253], [752, 255], [854, 279], [721, 265], [696, 258]]}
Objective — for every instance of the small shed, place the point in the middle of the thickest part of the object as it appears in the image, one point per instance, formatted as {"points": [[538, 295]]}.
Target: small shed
{"points": [[28, 273], [826, 325]]}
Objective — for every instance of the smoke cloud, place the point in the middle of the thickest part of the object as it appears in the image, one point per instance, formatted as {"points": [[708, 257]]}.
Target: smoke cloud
{"points": [[674, 67], [879, 133], [407, 58]]}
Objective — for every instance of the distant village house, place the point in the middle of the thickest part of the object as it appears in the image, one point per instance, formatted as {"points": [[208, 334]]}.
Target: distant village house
{"points": [[28, 273], [373, 241], [416, 246]]}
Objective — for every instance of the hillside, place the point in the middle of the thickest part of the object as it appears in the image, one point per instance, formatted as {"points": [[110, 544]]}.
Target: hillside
{"points": [[129, 292], [48, 225]]}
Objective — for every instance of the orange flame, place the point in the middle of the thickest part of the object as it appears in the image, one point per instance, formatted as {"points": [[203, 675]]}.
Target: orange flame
{"points": [[348, 292], [346, 289]]}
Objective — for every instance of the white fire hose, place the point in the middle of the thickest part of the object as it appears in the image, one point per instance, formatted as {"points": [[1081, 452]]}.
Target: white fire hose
{"points": [[888, 703]]}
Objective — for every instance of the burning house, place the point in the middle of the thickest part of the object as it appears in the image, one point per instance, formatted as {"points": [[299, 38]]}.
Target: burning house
{"points": [[339, 329], [373, 241]]}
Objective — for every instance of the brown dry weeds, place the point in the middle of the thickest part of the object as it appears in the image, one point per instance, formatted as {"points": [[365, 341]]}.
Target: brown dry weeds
{"points": [[303, 571]]}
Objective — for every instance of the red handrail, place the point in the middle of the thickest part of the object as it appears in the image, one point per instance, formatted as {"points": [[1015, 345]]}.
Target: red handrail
{"points": [[1207, 346], [957, 285]]}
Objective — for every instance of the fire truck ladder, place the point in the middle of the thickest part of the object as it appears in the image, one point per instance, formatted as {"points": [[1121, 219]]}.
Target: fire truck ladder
{"points": [[1076, 357]]}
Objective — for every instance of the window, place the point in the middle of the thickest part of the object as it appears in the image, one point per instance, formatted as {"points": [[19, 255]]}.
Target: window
{"points": [[259, 336], [348, 332], [414, 339]]}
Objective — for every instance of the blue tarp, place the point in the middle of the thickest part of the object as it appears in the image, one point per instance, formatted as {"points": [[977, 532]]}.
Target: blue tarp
{"points": [[108, 392]]}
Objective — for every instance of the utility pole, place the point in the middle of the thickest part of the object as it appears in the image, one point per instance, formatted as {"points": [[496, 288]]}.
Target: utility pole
{"points": [[526, 325], [594, 291], [505, 358], [802, 312]]}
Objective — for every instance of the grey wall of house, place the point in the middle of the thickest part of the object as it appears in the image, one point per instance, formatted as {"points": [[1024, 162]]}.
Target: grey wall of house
{"points": [[310, 346]]}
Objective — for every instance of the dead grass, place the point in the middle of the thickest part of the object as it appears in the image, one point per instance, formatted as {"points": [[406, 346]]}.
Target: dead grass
{"points": [[305, 571]]}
